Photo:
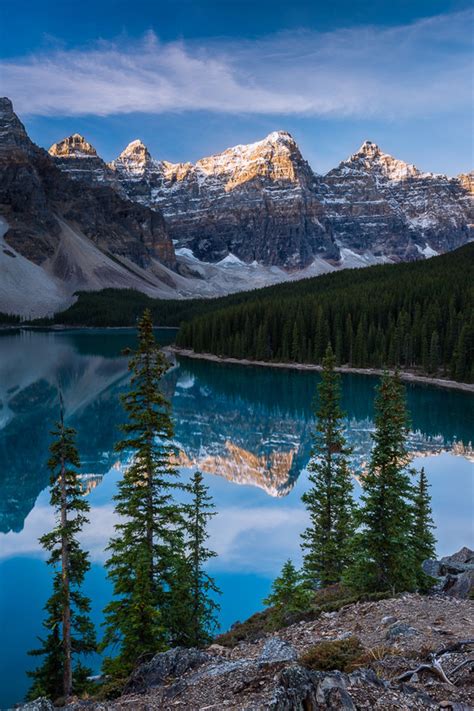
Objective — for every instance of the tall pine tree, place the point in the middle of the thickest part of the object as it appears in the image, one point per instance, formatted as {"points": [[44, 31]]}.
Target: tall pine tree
{"points": [[142, 551], [193, 606], [70, 631], [384, 554], [326, 542], [423, 540]]}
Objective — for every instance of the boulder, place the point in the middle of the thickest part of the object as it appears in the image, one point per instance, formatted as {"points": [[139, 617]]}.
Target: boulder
{"points": [[366, 676], [219, 649], [432, 568], [296, 690], [221, 666], [332, 693], [40, 704], [277, 650], [464, 555], [400, 630], [461, 586], [454, 568], [171, 664], [454, 574]]}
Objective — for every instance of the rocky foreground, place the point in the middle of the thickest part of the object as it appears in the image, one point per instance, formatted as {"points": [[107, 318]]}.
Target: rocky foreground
{"points": [[408, 652]]}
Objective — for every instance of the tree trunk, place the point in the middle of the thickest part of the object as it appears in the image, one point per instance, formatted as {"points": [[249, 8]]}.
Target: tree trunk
{"points": [[66, 591]]}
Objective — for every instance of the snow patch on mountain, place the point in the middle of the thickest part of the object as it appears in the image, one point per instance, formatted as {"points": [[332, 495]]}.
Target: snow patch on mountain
{"points": [[426, 251]]}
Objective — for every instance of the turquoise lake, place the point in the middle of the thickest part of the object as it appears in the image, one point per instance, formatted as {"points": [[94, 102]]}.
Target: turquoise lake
{"points": [[248, 429]]}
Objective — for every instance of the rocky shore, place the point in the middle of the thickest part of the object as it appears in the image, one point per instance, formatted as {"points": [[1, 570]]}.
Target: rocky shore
{"points": [[405, 375], [404, 653]]}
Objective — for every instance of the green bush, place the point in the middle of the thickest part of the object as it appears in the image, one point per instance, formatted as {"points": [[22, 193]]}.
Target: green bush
{"points": [[328, 656]]}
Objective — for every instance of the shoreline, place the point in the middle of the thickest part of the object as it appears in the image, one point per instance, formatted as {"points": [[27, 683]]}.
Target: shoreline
{"points": [[75, 327], [404, 375]]}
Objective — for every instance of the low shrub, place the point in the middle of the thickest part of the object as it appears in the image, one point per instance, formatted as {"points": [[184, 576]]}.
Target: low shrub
{"points": [[252, 629], [329, 656]]}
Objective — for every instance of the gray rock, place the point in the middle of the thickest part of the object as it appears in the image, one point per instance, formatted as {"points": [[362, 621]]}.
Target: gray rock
{"points": [[222, 666], [454, 706], [388, 620], [338, 699], [367, 676], [296, 690], [460, 585], [448, 568], [41, 704], [465, 555], [400, 630], [277, 650], [344, 635], [332, 693], [173, 663], [454, 574], [431, 567]]}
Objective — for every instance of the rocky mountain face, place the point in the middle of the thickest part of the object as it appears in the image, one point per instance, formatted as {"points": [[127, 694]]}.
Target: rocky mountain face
{"points": [[381, 204], [56, 238], [262, 202], [255, 202], [79, 159], [35, 196], [245, 218]]}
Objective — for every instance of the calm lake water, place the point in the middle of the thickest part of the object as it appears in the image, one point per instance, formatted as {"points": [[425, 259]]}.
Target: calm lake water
{"points": [[247, 428]]}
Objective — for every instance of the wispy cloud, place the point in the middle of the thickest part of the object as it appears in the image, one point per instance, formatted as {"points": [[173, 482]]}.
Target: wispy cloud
{"points": [[246, 540], [417, 69]]}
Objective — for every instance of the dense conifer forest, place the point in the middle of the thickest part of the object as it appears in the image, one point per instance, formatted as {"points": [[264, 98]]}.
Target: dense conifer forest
{"points": [[9, 319], [415, 316]]}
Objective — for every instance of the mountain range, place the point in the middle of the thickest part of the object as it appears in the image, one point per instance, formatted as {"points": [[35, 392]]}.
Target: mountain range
{"points": [[250, 216]]}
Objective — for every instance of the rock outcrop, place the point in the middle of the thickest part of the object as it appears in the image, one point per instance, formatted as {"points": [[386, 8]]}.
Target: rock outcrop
{"points": [[454, 574]]}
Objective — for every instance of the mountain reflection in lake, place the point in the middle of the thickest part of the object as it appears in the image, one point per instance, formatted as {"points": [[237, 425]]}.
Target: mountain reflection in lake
{"points": [[241, 425]]}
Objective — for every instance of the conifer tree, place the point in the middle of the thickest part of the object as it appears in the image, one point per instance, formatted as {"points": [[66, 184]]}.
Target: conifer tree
{"points": [[384, 553], [70, 631], [142, 551], [194, 609], [288, 594], [434, 352], [423, 540], [326, 542]]}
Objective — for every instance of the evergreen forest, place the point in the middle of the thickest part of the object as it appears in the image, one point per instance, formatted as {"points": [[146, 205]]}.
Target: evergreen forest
{"points": [[416, 316]]}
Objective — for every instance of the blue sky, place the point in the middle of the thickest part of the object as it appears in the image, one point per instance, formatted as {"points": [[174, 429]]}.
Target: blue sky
{"points": [[191, 77]]}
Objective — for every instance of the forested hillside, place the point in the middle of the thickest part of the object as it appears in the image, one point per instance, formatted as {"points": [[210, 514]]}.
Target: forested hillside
{"points": [[416, 315]]}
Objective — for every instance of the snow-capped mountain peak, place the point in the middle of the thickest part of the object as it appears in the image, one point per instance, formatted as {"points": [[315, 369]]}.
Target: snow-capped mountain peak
{"points": [[74, 146], [279, 137], [135, 159], [275, 158], [135, 150], [261, 202], [369, 148], [371, 159]]}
